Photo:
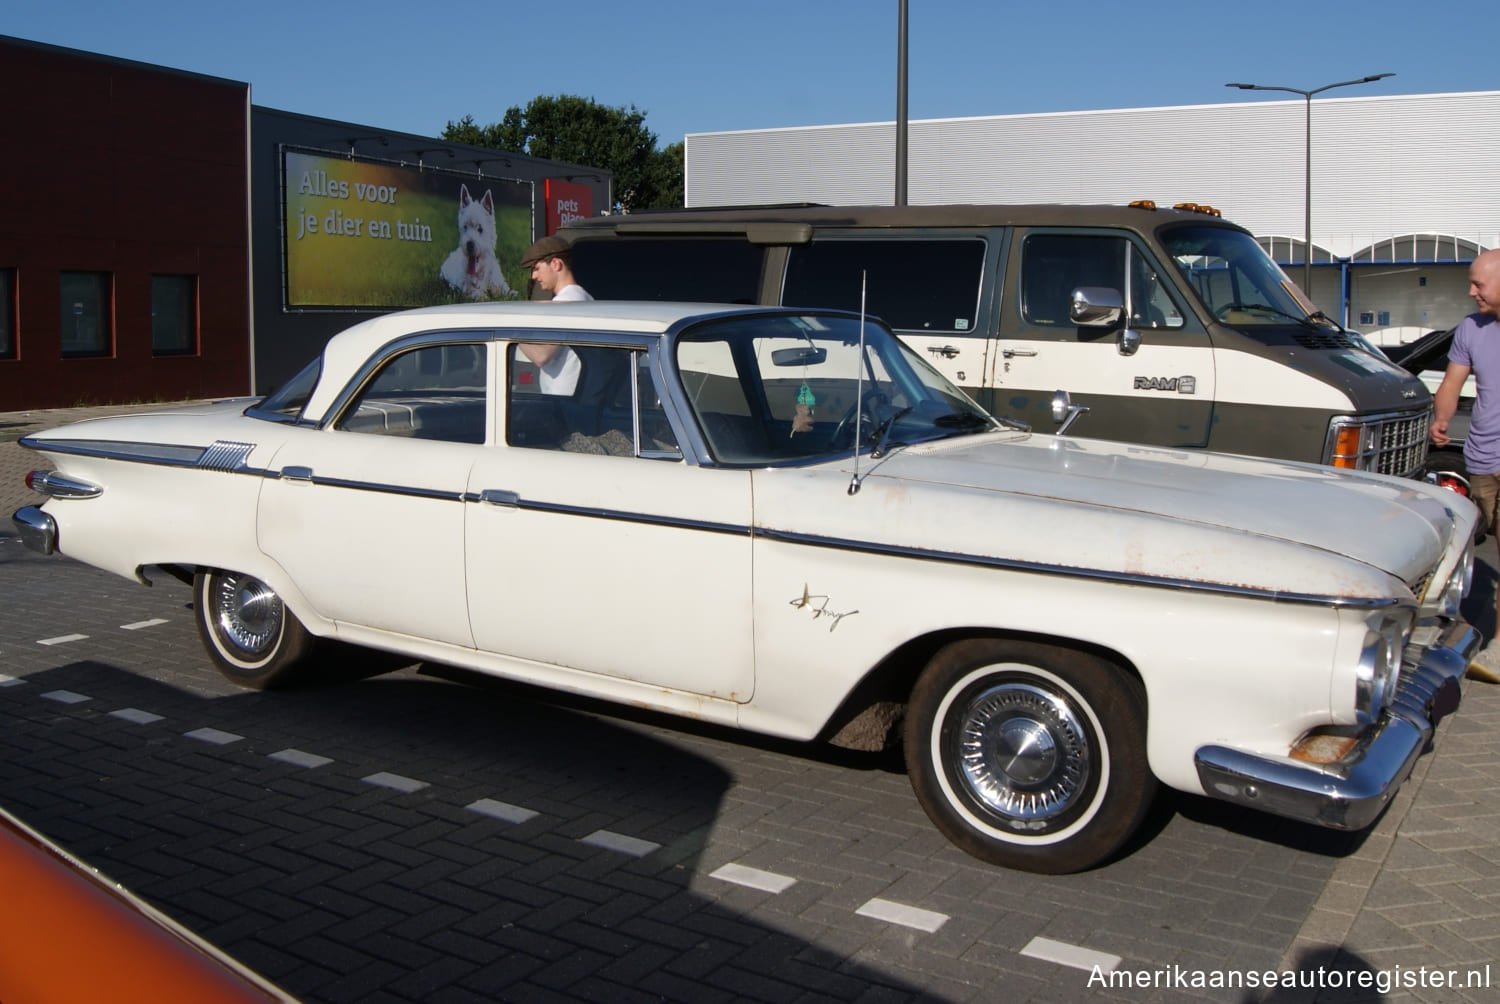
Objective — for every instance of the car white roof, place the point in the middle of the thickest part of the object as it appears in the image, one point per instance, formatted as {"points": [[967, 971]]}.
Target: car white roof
{"points": [[347, 351]]}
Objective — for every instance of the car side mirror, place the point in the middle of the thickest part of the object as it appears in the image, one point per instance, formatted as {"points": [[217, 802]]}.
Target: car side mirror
{"points": [[1096, 307]]}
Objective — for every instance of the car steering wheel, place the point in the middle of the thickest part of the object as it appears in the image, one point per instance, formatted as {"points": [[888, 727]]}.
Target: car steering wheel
{"points": [[867, 406]]}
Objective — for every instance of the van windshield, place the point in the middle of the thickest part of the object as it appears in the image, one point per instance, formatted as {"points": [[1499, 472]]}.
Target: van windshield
{"points": [[1234, 277]]}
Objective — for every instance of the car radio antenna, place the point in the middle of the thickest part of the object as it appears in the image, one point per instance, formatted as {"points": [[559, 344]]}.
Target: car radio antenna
{"points": [[859, 381]]}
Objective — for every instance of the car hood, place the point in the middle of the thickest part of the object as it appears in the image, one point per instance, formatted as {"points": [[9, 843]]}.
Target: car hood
{"points": [[1122, 510]]}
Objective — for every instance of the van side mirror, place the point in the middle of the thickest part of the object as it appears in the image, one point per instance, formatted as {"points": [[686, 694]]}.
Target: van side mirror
{"points": [[1064, 411], [1096, 307]]}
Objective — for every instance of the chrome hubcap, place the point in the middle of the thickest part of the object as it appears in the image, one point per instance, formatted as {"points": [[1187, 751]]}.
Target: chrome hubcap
{"points": [[1021, 751], [247, 612]]}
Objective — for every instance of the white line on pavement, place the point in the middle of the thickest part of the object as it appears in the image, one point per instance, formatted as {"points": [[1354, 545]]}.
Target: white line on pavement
{"points": [[136, 715], [619, 842], [215, 736], [396, 782], [754, 878], [297, 758], [900, 913], [1065, 954], [501, 810], [62, 639]]}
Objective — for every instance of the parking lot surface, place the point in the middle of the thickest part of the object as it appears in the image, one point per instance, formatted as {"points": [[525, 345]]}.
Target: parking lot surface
{"points": [[426, 835]]}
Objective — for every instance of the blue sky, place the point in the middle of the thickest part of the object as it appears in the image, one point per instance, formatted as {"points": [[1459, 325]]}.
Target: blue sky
{"points": [[707, 66]]}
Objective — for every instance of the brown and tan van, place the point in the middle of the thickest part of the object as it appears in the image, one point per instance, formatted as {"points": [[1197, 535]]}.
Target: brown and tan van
{"points": [[1173, 326]]}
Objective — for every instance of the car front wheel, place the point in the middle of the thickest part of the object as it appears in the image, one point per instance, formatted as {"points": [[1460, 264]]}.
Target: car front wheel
{"points": [[1027, 755], [251, 636]]}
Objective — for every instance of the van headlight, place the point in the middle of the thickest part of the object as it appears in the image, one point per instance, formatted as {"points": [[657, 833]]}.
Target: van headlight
{"points": [[1379, 668]]}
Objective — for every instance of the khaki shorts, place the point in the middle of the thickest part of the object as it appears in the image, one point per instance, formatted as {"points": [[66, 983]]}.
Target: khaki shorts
{"points": [[1484, 488]]}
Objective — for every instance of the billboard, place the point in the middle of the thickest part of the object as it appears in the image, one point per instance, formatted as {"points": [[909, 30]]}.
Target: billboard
{"points": [[566, 201], [368, 234]]}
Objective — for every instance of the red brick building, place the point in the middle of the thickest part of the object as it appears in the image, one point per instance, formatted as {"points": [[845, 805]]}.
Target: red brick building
{"points": [[124, 231]]}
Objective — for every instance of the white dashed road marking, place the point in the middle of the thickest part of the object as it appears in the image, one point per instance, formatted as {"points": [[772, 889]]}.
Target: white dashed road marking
{"points": [[501, 810], [136, 715], [754, 878], [143, 624], [1073, 956], [215, 736], [65, 697], [297, 758], [62, 639], [619, 842], [395, 781], [9, 681], [900, 913]]}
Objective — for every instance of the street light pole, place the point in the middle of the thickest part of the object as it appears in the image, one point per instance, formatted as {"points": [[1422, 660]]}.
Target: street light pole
{"points": [[901, 105], [1307, 97]]}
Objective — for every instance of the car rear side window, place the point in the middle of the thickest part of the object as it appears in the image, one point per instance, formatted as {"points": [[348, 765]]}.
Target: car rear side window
{"points": [[913, 285], [434, 392], [703, 270]]}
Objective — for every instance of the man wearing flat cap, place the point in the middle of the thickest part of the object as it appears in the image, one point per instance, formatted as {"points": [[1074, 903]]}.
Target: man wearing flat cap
{"points": [[550, 260]]}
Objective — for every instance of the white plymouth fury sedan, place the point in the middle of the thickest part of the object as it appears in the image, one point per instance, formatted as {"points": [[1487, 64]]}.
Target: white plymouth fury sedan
{"points": [[785, 521]]}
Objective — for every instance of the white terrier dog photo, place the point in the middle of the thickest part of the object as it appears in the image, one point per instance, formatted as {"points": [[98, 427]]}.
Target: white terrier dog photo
{"points": [[472, 268]]}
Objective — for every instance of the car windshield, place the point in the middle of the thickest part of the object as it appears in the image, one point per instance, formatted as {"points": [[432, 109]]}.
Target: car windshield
{"points": [[771, 389], [1234, 277]]}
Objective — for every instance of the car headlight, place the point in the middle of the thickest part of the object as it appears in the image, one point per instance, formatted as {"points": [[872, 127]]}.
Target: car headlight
{"points": [[1458, 584], [1379, 668]]}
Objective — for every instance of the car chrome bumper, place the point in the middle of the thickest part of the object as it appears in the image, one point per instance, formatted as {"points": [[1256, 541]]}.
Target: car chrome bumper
{"points": [[1349, 793], [37, 530]]}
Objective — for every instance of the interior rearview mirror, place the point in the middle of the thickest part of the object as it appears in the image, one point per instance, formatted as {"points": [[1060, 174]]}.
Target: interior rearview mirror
{"points": [[800, 355]]}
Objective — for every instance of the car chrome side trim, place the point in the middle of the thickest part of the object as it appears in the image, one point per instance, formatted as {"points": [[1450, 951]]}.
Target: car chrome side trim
{"points": [[514, 501], [305, 474], [1072, 571], [220, 455]]}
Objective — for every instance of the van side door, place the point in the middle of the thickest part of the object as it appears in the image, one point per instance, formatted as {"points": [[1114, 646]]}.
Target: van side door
{"points": [[930, 288], [1148, 377]]}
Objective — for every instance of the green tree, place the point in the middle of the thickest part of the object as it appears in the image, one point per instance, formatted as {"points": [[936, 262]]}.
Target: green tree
{"points": [[581, 131]]}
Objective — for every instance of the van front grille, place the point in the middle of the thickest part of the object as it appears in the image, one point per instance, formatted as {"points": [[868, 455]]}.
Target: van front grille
{"points": [[1391, 443]]}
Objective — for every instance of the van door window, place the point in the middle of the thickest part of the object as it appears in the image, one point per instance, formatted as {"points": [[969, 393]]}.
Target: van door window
{"points": [[913, 285], [1053, 265], [699, 270]]}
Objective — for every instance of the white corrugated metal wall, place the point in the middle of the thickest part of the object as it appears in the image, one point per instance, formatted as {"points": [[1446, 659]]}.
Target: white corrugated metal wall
{"points": [[1383, 168]]}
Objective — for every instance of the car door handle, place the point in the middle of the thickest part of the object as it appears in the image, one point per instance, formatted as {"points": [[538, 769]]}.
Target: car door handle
{"points": [[493, 496], [946, 351], [297, 474], [1012, 353]]}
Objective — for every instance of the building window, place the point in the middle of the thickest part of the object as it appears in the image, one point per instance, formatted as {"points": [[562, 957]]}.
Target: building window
{"points": [[86, 314], [7, 313], [174, 315]]}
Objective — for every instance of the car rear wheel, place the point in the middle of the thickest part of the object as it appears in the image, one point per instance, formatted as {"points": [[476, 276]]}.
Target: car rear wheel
{"points": [[1027, 755], [249, 633]]}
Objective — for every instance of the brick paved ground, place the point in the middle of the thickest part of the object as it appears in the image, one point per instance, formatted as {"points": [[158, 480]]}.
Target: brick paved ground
{"points": [[370, 841]]}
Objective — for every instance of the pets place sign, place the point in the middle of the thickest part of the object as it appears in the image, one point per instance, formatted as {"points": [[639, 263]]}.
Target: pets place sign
{"points": [[376, 235]]}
